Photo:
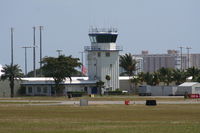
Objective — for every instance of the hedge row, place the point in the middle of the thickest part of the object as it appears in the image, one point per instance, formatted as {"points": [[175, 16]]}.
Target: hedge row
{"points": [[114, 93], [75, 93]]}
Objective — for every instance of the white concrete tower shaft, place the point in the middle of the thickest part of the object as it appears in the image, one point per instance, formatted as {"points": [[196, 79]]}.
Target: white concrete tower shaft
{"points": [[103, 57]]}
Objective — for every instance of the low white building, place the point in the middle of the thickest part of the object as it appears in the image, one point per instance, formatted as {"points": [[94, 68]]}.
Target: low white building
{"points": [[45, 86], [189, 88]]}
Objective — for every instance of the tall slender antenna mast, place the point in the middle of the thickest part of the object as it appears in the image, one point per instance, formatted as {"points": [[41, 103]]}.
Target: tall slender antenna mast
{"points": [[41, 28], [34, 69]]}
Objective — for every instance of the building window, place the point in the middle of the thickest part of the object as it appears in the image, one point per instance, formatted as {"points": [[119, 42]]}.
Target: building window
{"points": [[39, 89], [30, 90], [45, 90], [85, 89], [99, 54], [107, 54]]}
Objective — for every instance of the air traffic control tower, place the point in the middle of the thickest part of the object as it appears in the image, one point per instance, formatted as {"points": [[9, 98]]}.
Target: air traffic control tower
{"points": [[103, 57]]}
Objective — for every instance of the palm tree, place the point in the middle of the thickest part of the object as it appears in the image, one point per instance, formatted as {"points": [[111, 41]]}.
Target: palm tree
{"points": [[135, 81], [179, 76], [194, 72], [128, 64], [11, 72], [148, 78], [141, 77], [100, 85], [156, 78], [165, 75]]}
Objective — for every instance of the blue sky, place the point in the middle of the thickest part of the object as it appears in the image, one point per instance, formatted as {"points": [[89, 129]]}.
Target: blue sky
{"points": [[154, 25]]}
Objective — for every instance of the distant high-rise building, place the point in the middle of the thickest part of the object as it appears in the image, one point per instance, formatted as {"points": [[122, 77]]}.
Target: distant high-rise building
{"points": [[153, 62], [194, 60], [172, 59]]}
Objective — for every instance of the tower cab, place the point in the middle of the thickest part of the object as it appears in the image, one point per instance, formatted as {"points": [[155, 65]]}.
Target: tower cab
{"points": [[103, 57]]}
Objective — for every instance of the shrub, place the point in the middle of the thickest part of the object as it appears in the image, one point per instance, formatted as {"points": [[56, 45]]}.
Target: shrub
{"points": [[117, 92], [75, 93]]}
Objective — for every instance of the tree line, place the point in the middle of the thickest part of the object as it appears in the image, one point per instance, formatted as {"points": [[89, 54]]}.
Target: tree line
{"points": [[164, 75]]}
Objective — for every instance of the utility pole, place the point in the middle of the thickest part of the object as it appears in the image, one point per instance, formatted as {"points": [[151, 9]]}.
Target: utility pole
{"points": [[59, 52], [25, 49], [12, 29], [188, 55], [34, 69], [181, 48], [40, 28]]}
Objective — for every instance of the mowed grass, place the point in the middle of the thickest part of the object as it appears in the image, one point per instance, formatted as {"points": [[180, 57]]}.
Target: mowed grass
{"points": [[97, 98], [100, 119]]}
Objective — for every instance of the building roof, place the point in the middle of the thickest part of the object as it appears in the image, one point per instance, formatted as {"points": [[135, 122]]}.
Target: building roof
{"points": [[186, 84], [49, 80]]}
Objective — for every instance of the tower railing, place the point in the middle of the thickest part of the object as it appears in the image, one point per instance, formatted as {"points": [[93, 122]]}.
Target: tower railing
{"points": [[101, 48], [107, 30]]}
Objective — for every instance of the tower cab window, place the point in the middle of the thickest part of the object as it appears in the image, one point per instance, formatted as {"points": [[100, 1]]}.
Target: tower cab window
{"points": [[107, 54], [99, 54]]}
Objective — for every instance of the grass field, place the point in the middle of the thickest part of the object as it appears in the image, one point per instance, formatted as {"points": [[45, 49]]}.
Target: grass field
{"points": [[97, 98], [100, 119]]}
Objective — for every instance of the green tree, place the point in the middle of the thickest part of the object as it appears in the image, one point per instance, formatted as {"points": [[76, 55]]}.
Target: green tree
{"points": [[135, 80], [141, 77], [148, 78], [165, 75], [194, 72], [59, 68], [31, 73], [128, 64], [179, 76], [100, 85], [155, 78], [11, 72]]}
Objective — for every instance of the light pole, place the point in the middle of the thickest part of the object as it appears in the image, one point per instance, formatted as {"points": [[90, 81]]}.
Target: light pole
{"points": [[188, 54], [34, 70], [40, 28], [12, 29], [59, 52], [181, 48], [25, 50]]}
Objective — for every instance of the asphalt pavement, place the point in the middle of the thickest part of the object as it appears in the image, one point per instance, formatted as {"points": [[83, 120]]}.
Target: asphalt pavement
{"points": [[53, 102]]}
